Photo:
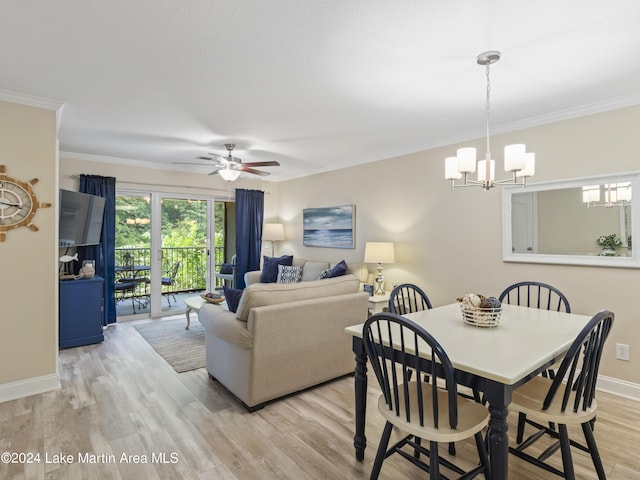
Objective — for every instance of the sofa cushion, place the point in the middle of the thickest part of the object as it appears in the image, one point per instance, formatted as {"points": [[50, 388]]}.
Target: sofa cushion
{"points": [[270, 267], [312, 270], [289, 274], [232, 297], [261, 294]]}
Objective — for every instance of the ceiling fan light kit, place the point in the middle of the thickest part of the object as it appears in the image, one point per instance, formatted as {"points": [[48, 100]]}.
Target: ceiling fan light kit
{"points": [[516, 159], [228, 174], [230, 167]]}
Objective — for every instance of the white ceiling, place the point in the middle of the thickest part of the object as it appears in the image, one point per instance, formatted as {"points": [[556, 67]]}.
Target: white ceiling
{"points": [[314, 84]]}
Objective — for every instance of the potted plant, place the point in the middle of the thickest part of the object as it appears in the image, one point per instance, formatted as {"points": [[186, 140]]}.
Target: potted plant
{"points": [[609, 244]]}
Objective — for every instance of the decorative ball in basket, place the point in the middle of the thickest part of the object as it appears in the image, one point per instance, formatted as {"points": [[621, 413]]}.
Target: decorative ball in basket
{"points": [[480, 311]]}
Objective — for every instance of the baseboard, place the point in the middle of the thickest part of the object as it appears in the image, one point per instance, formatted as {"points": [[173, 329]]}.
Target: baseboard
{"points": [[619, 387], [31, 386]]}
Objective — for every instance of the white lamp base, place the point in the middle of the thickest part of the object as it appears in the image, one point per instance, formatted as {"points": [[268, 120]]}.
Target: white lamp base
{"points": [[379, 281]]}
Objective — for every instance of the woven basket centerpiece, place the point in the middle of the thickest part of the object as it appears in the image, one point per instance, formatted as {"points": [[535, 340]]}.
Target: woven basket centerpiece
{"points": [[212, 297], [480, 311]]}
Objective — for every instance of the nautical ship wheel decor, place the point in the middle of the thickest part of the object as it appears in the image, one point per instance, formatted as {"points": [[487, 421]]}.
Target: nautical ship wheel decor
{"points": [[18, 203]]}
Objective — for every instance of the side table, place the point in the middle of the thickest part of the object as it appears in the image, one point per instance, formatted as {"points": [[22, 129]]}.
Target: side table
{"points": [[379, 303]]}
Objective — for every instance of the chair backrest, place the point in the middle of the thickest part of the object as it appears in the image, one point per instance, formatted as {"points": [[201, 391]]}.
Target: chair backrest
{"points": [[393, 368], [127, 259], [537, 295], [408, 298], [171, 274], [576, 377]]}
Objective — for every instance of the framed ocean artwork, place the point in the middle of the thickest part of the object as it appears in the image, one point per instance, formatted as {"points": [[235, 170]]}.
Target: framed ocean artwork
{"points": [[329, 226]]}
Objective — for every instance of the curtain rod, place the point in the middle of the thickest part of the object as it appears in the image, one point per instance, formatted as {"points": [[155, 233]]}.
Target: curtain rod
{"points": [[77, 176]]}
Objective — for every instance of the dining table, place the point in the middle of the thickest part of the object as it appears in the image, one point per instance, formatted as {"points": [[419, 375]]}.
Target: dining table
{"points": [[493, 360]]}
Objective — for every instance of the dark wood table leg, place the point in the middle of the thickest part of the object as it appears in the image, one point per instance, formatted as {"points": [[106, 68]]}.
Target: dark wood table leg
{"points": [[498, 397], [360, 377]]}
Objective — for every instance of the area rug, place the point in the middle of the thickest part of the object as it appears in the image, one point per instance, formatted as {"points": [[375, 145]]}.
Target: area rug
{"points": [[182, 349]]}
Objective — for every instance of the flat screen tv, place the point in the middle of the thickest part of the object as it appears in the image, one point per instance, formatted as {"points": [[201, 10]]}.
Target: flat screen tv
{"points": [[80, 219]]}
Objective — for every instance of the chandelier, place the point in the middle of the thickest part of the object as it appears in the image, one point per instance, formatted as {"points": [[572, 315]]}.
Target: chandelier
{"points": [[615, 195], [516, 159]]}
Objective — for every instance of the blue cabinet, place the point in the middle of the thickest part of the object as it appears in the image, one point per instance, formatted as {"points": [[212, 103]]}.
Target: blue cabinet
{"points": [[81, 312]]}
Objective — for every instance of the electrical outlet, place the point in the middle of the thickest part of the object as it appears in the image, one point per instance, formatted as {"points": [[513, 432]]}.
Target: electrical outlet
{"points": [[622, 352]]}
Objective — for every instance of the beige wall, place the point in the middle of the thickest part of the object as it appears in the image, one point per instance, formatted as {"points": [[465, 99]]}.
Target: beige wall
{"points": [[450, 242], [28, 259]]}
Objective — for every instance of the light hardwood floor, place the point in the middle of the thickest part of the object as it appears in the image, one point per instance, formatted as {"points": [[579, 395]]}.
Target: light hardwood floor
{"points": [[120, 398]]}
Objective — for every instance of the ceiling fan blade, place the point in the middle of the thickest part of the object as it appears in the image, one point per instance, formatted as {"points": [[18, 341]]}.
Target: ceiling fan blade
{"points": [[213, 172], [255, 172], [271, 163]]}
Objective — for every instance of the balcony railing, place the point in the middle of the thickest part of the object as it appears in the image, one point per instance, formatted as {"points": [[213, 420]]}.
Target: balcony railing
{"points": [[191, 265]]}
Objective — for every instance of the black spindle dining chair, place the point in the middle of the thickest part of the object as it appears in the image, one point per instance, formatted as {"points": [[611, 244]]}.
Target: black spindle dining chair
{"points": [[567, 400], [396, 346]]}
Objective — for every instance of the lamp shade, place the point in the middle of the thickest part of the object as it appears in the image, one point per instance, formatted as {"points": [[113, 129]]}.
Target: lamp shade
{"points": [[273, 231], [379, 252]]}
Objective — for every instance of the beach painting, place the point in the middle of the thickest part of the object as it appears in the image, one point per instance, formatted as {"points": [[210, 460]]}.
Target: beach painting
{"points": [[329, 226]]}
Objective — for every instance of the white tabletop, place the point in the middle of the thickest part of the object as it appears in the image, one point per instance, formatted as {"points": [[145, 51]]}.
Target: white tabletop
{"points": [[525, 339]]}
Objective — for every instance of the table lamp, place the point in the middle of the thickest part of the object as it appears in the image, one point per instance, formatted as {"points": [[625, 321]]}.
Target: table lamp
{"points": [[273, 232], [379, 252]]}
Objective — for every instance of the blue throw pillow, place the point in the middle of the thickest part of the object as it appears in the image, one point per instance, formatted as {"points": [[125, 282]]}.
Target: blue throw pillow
{"points": [[339, 269], [270, 267], [232, 296]]}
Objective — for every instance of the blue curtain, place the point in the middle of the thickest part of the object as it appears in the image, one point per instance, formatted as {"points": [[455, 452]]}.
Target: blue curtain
{"points": [[249, 214], [105, 253]]}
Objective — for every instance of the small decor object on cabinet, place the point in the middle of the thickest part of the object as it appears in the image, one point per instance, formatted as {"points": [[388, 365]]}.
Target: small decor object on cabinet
{"points": [[367, 287], [329, 226], [88, 269], [18, 203], [609, 244], [480, 311]]}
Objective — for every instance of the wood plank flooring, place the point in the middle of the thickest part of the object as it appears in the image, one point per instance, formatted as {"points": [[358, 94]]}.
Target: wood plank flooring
{"points": [[123, 413]]}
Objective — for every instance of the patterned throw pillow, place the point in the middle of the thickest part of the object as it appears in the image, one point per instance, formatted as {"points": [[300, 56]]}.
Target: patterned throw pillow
{"points": [[324, 274], [337, 271], [289, 274]]}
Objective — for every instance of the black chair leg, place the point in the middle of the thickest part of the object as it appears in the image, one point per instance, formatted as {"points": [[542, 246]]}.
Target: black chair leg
{"points": [[483, 454], [593, 450], [434, 461], [382, 450], [565, 449], [452, 448], [521, 424]]}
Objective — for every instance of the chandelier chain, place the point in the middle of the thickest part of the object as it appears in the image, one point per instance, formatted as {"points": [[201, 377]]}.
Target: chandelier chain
{"points": [[488, 107]]}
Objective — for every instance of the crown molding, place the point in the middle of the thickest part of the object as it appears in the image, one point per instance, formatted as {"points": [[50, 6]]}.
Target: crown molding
{"points": [[34, 101], [30, 100]]}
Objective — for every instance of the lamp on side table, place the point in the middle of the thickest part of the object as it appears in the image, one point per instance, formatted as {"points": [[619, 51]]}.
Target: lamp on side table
{"points": [[379, 252]]}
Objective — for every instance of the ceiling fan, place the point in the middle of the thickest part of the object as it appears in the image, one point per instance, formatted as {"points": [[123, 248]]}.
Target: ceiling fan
{"points": [[230, 167]]}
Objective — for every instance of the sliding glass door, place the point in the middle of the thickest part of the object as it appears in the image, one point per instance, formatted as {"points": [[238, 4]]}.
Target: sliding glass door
{"points": [[163, 251]]}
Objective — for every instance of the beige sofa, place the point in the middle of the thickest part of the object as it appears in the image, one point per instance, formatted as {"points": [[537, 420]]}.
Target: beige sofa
{"points": [[284, 337]]}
